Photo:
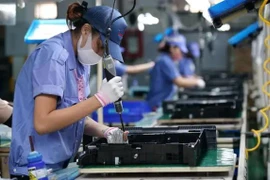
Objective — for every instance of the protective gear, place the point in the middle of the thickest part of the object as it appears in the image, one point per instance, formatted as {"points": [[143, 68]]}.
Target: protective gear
{"points": [[114, 135], [86, 54], [110, 91], [201, 83], [98, 17]]}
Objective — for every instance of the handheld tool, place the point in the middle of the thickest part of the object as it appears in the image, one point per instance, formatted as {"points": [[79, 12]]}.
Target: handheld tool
{"points": [[108, 62]]}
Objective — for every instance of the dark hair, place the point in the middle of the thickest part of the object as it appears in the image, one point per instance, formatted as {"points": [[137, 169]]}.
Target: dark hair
{"points": [[74, 17], [165, 48]]}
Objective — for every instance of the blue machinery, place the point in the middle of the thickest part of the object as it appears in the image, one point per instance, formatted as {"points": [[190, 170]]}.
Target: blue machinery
{"points": [[40, 30], [249, 32], [228, 9]]}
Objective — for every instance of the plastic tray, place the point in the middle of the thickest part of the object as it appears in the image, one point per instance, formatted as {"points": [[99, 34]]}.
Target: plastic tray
{"points": [[171, 145], [133, 112]]}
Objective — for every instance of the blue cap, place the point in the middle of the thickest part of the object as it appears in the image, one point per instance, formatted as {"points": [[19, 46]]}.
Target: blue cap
{"points": [[169, 31], [178, 40], [158, 38], [194, 49], [99, 17]]}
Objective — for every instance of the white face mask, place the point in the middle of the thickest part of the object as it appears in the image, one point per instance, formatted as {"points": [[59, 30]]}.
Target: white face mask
{"points": [[86, 54]]}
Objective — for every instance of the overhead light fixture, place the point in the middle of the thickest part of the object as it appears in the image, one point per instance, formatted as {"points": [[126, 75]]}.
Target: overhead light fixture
{"points": [[46, 10], [140, 26], [21, 4], [224, 27], [198, 5], [186, 8], [147, 19]]}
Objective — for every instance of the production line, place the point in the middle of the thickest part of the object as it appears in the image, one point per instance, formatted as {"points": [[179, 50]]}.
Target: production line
{"points": [[203, 129]]}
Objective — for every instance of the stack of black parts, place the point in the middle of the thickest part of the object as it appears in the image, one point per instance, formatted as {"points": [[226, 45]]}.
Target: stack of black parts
{"points": [[158, 145], [222, 98]]}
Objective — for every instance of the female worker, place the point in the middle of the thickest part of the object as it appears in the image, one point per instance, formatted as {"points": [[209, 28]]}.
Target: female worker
{"points": [[50, 101], [5, 113], [165, 75]]}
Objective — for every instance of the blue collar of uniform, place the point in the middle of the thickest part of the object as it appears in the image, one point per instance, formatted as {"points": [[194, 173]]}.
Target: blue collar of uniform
{"points": [[69, 47]]}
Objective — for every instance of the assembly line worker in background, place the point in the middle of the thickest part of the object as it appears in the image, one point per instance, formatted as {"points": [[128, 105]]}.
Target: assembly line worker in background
{"points": [[165, 76], [51, 91], [122, 69], [5, 113], [183, 58], [186, 63]]}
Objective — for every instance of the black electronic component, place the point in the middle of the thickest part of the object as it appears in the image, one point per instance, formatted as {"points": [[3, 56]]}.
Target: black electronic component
{"points": [[159, 145]]}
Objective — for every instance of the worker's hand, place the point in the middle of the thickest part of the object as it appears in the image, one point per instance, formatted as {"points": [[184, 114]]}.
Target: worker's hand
{"points": [[115, 135], [200, 83], [110, 91], [151, 64]]}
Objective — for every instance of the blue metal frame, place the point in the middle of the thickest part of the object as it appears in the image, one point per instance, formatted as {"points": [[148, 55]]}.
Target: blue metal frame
{"points": [[226, 6], [245, 33], [35, 24]]}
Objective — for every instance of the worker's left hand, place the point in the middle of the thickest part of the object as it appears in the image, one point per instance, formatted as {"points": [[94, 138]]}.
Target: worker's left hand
{"points": [[115, 135]]}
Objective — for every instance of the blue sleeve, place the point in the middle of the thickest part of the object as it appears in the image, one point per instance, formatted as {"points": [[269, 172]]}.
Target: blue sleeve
{"points": [[48, 73], [120, 68], [189, 68], [169, 69]]}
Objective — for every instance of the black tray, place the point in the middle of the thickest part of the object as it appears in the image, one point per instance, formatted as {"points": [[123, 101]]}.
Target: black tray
{"points": [[202, 108], [161, 145], [206, 109], [189, 94]]}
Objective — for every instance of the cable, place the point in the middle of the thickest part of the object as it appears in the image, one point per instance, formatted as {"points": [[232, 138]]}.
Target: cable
{"points": [[264, 87], [122, 122], [108, 62]]}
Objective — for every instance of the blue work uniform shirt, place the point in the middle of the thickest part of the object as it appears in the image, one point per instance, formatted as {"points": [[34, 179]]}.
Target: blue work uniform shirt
{"points": [[48, 70], [120, 68], [186, 67], [162, 86]]}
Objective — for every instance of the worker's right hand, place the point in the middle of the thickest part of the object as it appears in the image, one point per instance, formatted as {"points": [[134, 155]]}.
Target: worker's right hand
{"points": [[110, 91], [201, 83]]}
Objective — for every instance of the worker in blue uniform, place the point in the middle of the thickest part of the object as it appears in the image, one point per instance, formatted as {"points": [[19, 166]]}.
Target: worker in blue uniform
{"points": [[189, 55], [51, 103], [165, 76]]}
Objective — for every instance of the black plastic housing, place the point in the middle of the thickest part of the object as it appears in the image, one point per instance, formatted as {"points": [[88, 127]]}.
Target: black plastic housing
{"points": [[159, 145]]}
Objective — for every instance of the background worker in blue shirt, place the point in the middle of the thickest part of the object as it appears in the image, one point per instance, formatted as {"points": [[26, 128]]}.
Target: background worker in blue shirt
{"points": [[165, 76], [186, 65], [51, 103]]}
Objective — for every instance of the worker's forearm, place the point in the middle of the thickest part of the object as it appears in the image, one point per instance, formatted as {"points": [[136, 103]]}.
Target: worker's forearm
{"points": [[186, 82], [61, 118], [5, 111], [138, 68], [92, 128]]}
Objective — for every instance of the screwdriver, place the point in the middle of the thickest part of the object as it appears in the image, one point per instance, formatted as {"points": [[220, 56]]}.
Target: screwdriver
{"points": [[110, 73]]}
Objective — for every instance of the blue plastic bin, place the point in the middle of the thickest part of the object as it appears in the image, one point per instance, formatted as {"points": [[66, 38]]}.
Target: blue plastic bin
{"points": [[133, 112]]}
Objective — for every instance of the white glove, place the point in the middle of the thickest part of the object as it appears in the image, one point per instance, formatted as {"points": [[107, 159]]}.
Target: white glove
{"points": [[114, 135], [200, 83], [110, 91]]}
